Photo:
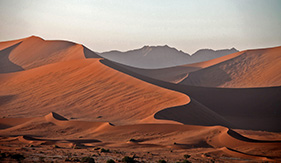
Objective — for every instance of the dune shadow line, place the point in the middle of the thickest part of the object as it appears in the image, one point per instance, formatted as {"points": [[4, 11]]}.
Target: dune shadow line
{"points": [[242, 107], [6, 66]]}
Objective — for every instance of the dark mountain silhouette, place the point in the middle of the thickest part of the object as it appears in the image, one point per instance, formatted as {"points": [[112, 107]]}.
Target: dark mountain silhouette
{"points": [[153, 57]]}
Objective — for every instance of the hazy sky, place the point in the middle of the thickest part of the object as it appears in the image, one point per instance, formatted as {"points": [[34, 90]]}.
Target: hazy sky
{"points": [[104, 25]]}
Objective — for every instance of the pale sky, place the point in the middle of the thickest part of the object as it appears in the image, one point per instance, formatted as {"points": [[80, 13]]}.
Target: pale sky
{"points": [[187, 25]]}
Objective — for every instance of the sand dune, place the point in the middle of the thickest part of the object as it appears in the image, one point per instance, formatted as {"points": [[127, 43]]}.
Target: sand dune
{"points": [[215, 141], [84, 89], [253, 68], [241, 107], [34, 52], [178, 73], [6, 66], [6, 44], [60, 99]]}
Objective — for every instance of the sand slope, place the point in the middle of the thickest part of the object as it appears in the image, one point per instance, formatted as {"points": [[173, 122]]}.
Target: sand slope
{"points": [[34, 52], [83, 89], [6, 66], [6, 44], [214, 141], [59, 98], [177, 74], [253, 68], [245, 108]]}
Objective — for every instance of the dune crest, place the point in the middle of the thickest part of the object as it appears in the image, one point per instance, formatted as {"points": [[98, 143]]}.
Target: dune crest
{"points": [[252, 68], [178, 74], [216, 140], [85, 89], [107, 110], [34, 52], [54, 116]]}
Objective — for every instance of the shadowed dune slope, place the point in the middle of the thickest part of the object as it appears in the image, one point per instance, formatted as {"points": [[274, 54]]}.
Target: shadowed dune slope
{"points": [[173, 136], [6, 44], [178, 73], [244, 108], [34, 52], [84, 89], [253, 68], [6, 66], [87, 85]]}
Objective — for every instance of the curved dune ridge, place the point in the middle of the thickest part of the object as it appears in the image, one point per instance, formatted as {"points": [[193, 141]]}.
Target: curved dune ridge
{"points": [[111, 105], [34, 52], [84, 89], [183, 136], [6, 44], [177, 74], [244, 108], [252, 68]]}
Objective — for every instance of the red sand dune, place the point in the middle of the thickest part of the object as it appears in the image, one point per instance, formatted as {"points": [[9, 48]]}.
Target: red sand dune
{"points": [[251, 68], [244, 108], [164, 137], [178, 73], [6, 44], [34, 52], [83, 89], [114, 106]]}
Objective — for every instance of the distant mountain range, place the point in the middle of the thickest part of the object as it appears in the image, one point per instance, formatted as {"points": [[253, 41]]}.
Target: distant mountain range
{"points": [[153, 57]]}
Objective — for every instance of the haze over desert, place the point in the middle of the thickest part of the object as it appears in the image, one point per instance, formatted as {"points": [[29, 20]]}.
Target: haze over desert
{"points": [[141, 83]]}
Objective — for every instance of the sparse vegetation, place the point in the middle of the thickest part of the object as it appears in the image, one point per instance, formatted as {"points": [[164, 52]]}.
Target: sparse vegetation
{"points": [[133, 140], [75, 146], [162, 161], [186, 156], [128, 159], [110, 161], [88, 159], [41, 159], [18, 157], [184, 161], [104, 150]]}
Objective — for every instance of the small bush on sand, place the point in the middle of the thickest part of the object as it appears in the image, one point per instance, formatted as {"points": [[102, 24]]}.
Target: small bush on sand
{"points": [[18, 157], [104, 150], [88, 159], [186, 156], [128, 159], [110, 161]]}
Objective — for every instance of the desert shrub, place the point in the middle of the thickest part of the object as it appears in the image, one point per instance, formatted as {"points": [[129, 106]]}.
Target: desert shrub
{"points": [[128, 159], [110, 161], [186, 156], [186, 161], [133, 140], [104, 150], [88, 159], [162, 161], [74, 159], [3, 155], [18, 157]]}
